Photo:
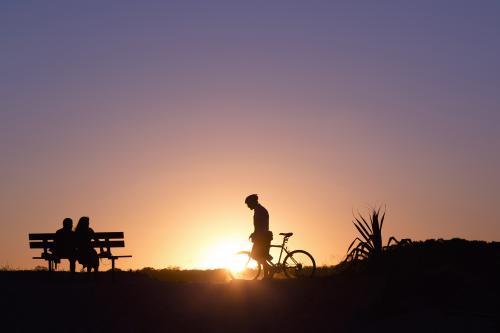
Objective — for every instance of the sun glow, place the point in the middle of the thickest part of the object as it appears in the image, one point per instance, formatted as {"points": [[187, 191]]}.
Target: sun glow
{"points": [[224, 255]]}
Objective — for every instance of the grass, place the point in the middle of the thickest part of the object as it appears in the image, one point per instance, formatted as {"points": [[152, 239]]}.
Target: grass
{"points": [[173, 274]]}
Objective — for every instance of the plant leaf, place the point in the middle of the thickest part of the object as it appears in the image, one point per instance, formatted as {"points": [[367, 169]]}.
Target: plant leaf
{"points": [[363, 232], [366, 246], [365, 252], [377, 232], [367, 233], [382, 221], [392, 238], [355, 239], [366, 223], [366, 237]]}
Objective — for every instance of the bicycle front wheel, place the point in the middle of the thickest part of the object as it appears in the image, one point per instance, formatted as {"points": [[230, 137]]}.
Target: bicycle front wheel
{"points": [[299, 264], [245, 267]]}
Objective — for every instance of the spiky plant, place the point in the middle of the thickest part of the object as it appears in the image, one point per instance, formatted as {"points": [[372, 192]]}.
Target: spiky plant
{"points": [[370, 243]]}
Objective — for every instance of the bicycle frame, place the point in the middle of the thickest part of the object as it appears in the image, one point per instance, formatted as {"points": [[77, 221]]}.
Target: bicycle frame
{"points": [[283, 249]]}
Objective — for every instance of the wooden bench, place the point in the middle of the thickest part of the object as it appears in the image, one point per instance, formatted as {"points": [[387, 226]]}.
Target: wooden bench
{"points": [[106, 241]]}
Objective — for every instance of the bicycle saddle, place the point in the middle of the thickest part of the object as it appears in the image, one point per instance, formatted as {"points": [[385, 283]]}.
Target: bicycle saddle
{"points": [[286, 234]]}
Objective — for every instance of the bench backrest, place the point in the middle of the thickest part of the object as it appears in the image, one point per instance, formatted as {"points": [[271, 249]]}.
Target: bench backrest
{"points": [[107, 240]]}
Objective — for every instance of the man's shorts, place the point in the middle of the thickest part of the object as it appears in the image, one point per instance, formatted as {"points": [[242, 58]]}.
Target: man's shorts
{"points": [[260, 249]]}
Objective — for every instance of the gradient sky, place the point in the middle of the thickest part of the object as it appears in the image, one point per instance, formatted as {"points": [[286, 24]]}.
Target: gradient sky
{"points": [[158, 118]]}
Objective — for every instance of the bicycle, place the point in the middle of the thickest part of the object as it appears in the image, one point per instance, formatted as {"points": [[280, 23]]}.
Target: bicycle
{"points": [[296, 263]]}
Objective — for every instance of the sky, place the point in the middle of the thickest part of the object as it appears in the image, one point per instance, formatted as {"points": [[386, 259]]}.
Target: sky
{"points": [[158, 118]]}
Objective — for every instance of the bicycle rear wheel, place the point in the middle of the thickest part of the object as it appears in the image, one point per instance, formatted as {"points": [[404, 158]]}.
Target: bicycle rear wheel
{"points": [[245, 267], [299, 264]]}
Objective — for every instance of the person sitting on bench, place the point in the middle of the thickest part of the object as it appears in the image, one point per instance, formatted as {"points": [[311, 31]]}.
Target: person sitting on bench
{"points": [[85, 252], [64, 243]]}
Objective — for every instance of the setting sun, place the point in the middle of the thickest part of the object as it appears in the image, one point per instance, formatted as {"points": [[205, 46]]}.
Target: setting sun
{"points": [[224, 255]]}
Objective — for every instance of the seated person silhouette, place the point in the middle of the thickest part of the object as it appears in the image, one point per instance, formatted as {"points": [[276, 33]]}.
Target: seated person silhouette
{"points": [[85, 252], [64, 244], [261, 237]]}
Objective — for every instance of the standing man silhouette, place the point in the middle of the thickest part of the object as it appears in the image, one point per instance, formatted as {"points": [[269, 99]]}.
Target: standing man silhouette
{"points": [[261, 237]]}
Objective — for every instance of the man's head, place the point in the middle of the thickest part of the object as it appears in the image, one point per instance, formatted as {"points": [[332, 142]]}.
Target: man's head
{"points": [[252, 201], [68, 223]]}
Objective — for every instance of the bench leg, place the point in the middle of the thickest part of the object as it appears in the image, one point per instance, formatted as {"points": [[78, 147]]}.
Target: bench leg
{"points": [[72, 266], [113, 269], [50, 265]]}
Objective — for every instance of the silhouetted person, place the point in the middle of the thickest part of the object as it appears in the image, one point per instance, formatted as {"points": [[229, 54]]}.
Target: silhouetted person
{"points": [[64, 243], [261, 237], [86, 254]]}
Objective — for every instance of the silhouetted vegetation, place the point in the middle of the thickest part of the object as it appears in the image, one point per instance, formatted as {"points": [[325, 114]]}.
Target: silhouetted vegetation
{"points": [[436, 256], [5, 268], [370, 245]]}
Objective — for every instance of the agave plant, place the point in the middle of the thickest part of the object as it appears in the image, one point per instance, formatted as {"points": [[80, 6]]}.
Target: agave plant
{"points": [[370, 243]]}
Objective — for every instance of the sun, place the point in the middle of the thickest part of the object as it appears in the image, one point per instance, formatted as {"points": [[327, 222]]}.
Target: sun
{"points": [[224, 255]]}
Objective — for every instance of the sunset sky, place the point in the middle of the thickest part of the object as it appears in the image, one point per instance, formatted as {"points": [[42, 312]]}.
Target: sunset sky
{"points": [[157, 118]]}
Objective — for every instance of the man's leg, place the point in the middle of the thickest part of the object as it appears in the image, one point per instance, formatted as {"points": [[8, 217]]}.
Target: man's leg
{"points": [[267, 270]]}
